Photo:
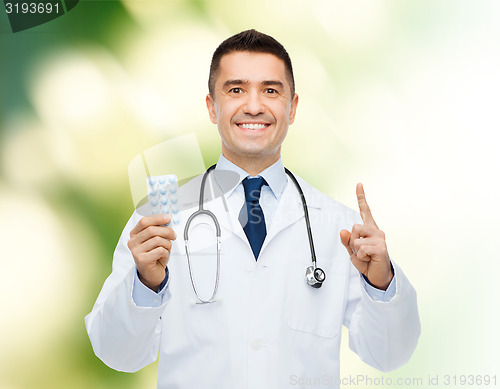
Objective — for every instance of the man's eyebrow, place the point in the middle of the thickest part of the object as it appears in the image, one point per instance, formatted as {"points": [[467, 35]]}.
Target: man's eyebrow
{"points": [[244, 82], [234, 82], [273, 83]]}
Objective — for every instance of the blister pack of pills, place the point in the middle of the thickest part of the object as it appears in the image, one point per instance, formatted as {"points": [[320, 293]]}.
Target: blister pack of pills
{"points": [[163, 196]]}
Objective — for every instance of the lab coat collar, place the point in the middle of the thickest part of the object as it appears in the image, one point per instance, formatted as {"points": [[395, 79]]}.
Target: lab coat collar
{"points": [[289, 211], [274, 175]]}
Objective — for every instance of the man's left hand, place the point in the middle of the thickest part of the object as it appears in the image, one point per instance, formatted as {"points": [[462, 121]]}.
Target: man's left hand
{"points": [[366, 246]]}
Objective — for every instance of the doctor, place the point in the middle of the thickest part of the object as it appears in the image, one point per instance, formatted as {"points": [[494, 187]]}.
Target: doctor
{"points": [[268, 328]]}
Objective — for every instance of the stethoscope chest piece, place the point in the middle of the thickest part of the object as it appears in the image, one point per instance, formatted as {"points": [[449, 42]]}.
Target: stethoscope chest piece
{"points": [[315, 276]]}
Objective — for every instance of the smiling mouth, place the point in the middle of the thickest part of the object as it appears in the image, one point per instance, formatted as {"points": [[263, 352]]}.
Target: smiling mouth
{"points": [[253, 126]]}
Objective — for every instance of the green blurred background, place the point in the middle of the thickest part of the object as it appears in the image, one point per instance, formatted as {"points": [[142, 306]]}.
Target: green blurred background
{"points": [[402, 95]]}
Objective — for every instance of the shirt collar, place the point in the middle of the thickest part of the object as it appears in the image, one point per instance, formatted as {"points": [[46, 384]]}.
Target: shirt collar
{"points": [[274, 175]]}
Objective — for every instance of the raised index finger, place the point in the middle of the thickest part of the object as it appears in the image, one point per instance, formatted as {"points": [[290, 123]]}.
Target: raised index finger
{"points": [[364, 209]]}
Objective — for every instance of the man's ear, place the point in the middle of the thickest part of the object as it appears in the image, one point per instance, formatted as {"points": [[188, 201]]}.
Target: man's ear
{"points": [[211, 108], [293, 108]]}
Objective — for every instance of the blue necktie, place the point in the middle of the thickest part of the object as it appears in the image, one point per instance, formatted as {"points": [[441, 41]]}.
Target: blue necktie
{"points": [[254, 224]]}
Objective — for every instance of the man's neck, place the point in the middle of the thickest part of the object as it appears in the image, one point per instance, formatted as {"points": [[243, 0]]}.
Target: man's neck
{"points": [[253, 166]]}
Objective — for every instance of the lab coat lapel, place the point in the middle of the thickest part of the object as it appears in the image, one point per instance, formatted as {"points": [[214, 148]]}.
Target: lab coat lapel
{"points": [[228, 220], [290, 209]]}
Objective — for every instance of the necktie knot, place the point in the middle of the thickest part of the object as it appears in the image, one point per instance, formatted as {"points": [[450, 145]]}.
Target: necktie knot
{"points": [[252, 188]]}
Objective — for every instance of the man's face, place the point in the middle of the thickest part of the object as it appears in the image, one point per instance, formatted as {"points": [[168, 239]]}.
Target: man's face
{"points": [[252, 106]]}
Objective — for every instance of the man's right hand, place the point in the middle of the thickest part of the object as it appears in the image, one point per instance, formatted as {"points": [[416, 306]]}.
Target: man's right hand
{"points": [[150, 243]]}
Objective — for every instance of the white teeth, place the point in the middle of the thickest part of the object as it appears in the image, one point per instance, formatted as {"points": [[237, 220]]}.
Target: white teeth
{"points": [[253, 126]]}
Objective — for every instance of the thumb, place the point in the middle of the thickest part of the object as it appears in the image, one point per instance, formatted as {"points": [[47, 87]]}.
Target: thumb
{"points": [[345, 237]]}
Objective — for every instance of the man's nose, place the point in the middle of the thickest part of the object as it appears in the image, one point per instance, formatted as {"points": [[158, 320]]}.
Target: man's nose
{"points": [[253, 104]]}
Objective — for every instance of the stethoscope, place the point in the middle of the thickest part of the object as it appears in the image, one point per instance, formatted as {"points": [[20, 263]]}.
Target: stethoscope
{"points": [[315, 276]]}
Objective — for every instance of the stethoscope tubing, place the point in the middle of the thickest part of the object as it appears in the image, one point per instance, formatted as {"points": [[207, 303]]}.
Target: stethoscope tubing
{"points": [[306, 216], [202, 211]]}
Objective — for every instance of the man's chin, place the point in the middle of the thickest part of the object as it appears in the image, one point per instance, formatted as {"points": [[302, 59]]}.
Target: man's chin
{"points": [[254, 152]]}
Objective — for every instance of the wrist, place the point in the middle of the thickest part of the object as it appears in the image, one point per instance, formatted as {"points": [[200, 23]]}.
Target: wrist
{"points": [[381, 284], [151, 285]]}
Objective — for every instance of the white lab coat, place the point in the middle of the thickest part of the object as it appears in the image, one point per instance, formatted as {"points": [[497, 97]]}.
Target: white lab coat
{"points": [[268, 329]]}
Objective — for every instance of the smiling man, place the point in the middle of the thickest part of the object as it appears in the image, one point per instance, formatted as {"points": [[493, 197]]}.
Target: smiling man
{"points": [[252, 108], [269, 327]]}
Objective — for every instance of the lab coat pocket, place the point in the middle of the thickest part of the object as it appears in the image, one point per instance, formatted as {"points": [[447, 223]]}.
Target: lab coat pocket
{"points": [[315, 311]]}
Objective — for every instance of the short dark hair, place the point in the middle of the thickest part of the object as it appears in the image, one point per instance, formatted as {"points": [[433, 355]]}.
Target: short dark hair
{"points": [[255, 42]]}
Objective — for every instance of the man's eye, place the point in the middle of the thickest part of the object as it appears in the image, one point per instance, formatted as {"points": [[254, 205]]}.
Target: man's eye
{"points": [[271, 90], [235, 90]]}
